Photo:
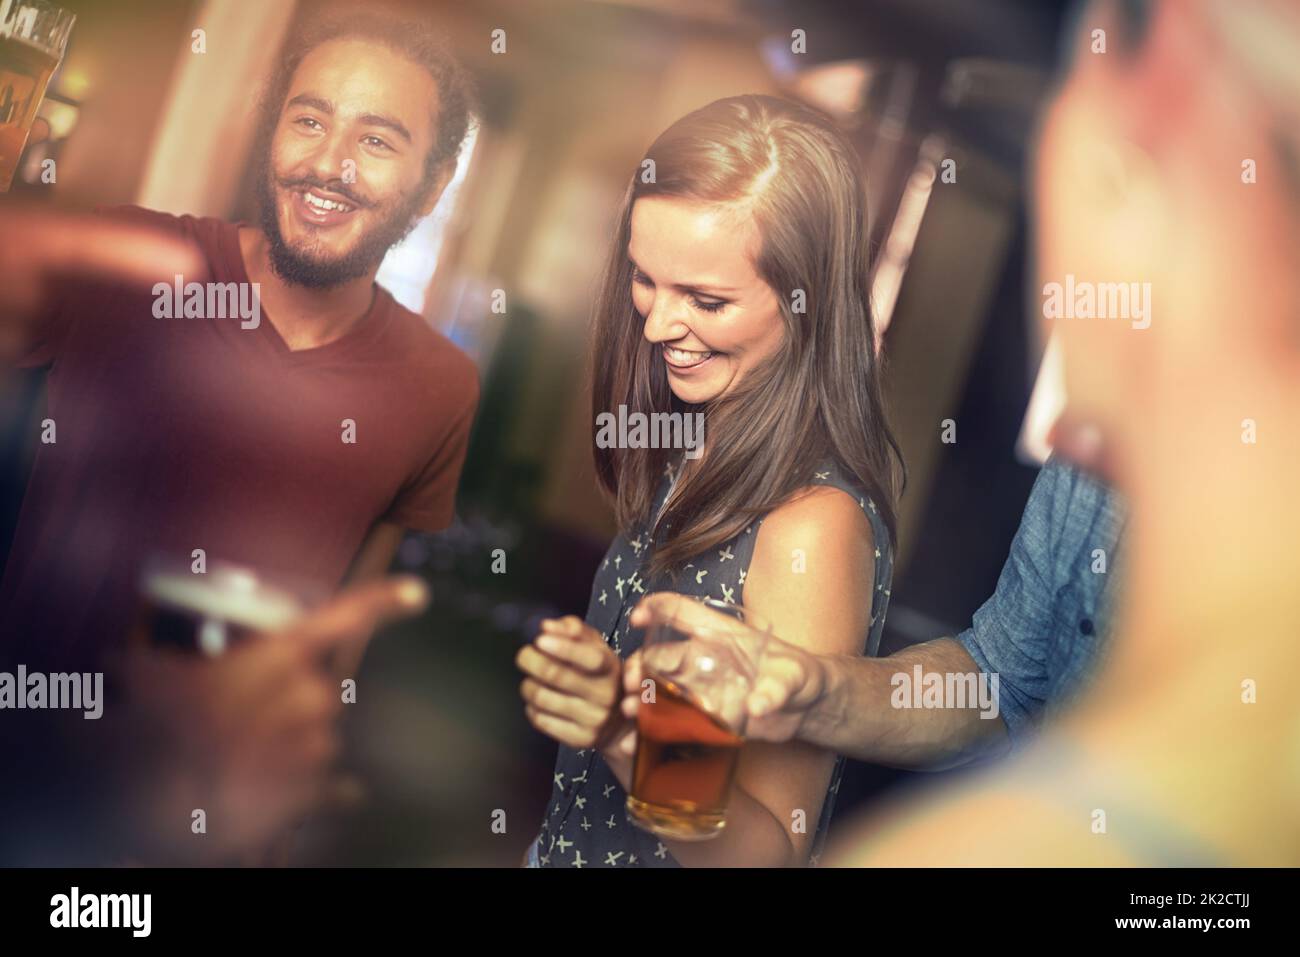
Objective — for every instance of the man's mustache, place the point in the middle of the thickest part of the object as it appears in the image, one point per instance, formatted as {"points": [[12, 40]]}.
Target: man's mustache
{"points": [[337, 187]]}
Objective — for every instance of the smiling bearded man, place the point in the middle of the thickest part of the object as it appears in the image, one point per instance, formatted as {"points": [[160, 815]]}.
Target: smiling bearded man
{"points": [[302, 446]]}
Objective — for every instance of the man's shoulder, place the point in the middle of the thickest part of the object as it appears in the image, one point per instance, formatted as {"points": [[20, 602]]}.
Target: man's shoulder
{"points": [[1069, 516], [420, 345]]}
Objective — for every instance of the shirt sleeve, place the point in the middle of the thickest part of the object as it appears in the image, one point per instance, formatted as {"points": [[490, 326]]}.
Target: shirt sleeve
{"points": [[66, 297], [427, 502], [1011, 634]]}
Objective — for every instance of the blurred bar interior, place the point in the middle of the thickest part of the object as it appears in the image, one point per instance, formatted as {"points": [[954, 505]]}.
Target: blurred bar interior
{"points": [[136, 117]]}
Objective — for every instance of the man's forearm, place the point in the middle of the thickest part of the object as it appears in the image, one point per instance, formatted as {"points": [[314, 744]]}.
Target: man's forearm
{"points": [[855, 714]]}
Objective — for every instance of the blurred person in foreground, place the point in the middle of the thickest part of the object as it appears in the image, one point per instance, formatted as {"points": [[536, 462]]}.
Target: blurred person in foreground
{"points": [[1186, 750], [290, 417], [191, 760], [735, 290]]}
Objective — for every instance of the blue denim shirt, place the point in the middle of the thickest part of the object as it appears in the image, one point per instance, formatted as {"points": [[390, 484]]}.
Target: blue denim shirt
{"points": [[1044, 629]]}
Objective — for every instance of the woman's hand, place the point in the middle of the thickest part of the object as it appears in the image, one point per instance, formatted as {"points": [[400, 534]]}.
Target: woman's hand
{"points": [[573, 686]]}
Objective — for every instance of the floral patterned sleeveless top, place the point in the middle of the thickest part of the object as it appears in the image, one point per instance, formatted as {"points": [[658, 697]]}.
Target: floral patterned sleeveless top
{"points": [[586, 824]]}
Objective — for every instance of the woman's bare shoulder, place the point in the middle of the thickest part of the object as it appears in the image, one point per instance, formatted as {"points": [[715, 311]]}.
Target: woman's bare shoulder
{"points": [[823, 514]]}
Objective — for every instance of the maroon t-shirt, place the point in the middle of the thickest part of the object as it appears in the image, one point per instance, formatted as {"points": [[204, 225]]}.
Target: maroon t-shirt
{"points": [[184, 433]]}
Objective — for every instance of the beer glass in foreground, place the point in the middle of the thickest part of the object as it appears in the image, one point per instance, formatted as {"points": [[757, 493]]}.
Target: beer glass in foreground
{"points": [[33, 36], [210, 611], [690, 726]]}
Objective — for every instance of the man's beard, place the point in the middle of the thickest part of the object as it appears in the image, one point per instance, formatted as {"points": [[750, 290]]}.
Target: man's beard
{"points": [[304, 269]]}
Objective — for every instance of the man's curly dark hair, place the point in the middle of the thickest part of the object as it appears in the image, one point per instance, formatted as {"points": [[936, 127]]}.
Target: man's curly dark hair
{"points": [[414, 40]]}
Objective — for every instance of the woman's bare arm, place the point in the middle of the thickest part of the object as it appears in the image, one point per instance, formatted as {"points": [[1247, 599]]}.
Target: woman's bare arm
{"points": [[811, 580]]}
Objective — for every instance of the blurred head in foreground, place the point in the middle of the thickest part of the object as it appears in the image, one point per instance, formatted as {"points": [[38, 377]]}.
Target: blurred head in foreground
{"points": [[1167, 202]]}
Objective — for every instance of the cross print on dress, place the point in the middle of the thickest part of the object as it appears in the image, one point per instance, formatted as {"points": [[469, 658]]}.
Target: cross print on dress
{"points": [[636, 584], [580, 801], [699, 576], [661, 852], [578, 861], [728, 595], [726, 554], [585, 825], [611, 858], [618, 587], [562, 844], [822, 475], [608, 789], [611, 822], [636, 545], [618, 560], [604, 594]]}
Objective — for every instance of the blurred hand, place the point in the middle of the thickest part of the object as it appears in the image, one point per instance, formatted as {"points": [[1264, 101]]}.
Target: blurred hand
{"points": [[572, 686], [250, 736], [41, 246], [789, 681]]}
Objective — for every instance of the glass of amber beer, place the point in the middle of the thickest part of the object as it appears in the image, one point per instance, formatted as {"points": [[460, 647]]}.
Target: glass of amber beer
{"points": [[33, 36], [690, 722]]}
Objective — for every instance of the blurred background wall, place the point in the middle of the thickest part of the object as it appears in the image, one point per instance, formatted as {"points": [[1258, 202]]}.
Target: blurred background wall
{"points": [[938, 95]]}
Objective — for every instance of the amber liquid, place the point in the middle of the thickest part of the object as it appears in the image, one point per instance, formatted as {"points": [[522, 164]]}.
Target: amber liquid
{"points": [[685, 763], [24, 71]]}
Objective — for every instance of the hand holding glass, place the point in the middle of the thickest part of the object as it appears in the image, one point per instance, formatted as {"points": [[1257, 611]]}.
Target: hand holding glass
{"points": [[691, 721]]}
